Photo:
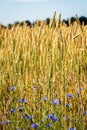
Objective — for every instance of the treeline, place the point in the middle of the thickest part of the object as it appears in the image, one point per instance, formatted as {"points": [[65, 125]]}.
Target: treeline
{"points": [[82, 20]]}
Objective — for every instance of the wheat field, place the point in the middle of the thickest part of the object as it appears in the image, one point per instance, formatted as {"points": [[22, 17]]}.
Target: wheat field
{"points": [[43, 76]]}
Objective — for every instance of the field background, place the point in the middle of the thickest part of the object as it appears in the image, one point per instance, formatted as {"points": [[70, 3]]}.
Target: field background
{"points": [[43, 71]]}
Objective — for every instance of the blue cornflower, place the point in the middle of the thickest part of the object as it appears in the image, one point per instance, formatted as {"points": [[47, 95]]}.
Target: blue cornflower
{"points": [[81, 88], [68, 104], [69, 95], [22, 100], [27, 116], [34, 125], [49, 125], [12, 111], [72, 128], [3, 123], [45, 99], [11, 88], [56, 101], [52, 117], [85, 112]]}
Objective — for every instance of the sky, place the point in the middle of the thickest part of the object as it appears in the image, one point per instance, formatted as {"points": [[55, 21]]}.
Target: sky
{"points": [[22, 10]]}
